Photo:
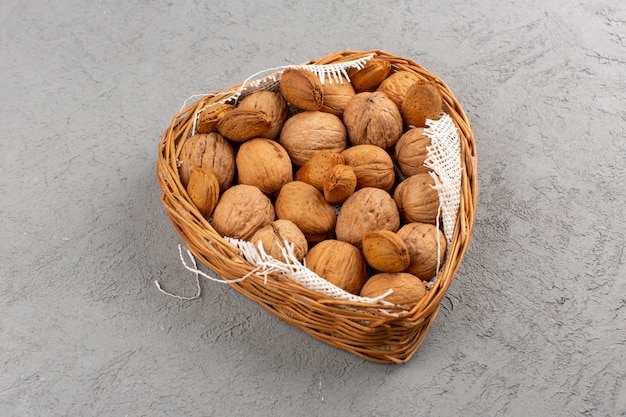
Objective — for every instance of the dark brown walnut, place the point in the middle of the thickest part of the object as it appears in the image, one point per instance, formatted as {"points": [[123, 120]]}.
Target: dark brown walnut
{"points": [[417, 200], [407, 288], [274, 236], [304, 134], [371, 75], [368, 209], [422, 101], [372, 166], [411, 151], [272, 104], [424, 241], [210, 151], [339, 263], [337, 95], [265, 164], [396, 85], [302, 88], [209, 117], [204, 190], [372, 118], [305, 205], [242, 124], [241, 211]]}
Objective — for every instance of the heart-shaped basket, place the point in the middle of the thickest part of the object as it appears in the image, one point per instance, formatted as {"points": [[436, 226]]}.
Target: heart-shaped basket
{"points": [[372, 331]]}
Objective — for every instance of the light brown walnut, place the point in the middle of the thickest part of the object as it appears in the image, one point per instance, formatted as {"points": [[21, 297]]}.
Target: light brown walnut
{"points": [[241, 211]]}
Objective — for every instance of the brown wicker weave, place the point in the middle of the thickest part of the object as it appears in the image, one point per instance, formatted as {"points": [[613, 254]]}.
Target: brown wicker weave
{"points": [[363, 329]]}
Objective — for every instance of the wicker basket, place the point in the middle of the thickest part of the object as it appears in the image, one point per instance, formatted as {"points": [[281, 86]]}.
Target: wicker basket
{"points": [[385, 336]]}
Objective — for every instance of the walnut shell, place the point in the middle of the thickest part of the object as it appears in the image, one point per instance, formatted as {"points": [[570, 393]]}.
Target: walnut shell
{"points": [[265, 164], [411, 151], [339, 263], [417, 200], [371, 75], [241, 124], [204, 190], [273, 104], [337, 95], [368, 209], [210, 151], [315, 169], [309, 132], [385, 251], [302, 88], [305, 205], [372, 166], [422, 101], [209, 117], [274, 235], [397, 84], [407, 288], [372, 118], [241, 211], [339, 184], [421, 241]]}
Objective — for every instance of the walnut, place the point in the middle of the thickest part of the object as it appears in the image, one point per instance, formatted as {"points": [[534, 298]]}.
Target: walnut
{"points": [[241, 211], [422, 101], [372, 166], [309, 132], [210, 151], [417, 200], [204, 190], [315, 169], [241, 124], [407, 288], [273, 104], [339, 263], [305, 205], [385, 251], [302, 88], [209, 117], [411, 151], [337, 95], [368, 209], [339, 184], [265, 164], [371, 75], [421, 241], [274, 235], [396, 85], [372, 118]]}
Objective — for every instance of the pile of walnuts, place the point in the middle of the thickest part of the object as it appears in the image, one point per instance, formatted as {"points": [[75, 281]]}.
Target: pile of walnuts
{"points": [[336, 168]]}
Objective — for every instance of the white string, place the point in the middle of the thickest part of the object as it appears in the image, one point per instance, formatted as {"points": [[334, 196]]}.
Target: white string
{"points": [[293, 269], [197, 273]]}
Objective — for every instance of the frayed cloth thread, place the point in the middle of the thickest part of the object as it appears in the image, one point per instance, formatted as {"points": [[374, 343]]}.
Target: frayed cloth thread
{"points": [[198, 273]]}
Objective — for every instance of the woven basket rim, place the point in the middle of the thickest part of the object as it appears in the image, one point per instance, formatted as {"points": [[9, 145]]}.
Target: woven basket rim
{"points": [[337, 322]]}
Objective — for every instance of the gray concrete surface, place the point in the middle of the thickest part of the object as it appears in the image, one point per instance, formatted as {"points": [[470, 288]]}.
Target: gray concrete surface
{"points": [[533, 325]]}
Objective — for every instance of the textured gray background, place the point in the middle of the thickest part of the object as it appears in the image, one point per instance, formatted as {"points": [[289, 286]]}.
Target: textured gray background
{"points": [[534, 323]]}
